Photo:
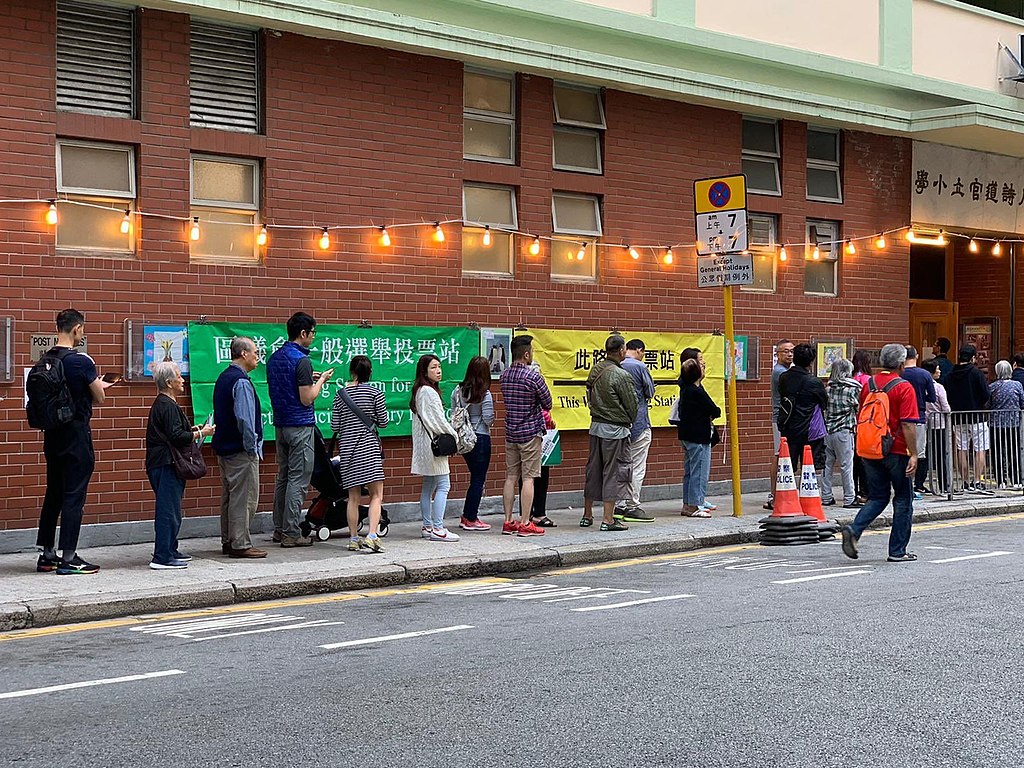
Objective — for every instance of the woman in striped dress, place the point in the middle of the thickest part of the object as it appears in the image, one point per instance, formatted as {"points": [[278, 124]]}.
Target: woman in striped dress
{"points": [[360, 450]]}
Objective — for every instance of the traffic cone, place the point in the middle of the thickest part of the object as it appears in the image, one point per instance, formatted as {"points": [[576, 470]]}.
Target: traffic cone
{"points": [[810, 496], [787, 500]]}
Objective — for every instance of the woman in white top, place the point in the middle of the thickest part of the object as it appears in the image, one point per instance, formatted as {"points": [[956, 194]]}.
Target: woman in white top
{"points": [[428, 421]]}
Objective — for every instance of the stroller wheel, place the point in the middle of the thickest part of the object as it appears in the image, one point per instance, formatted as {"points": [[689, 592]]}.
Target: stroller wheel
{"points": [[362, 525], [383, 530], [323, 533], [305, 528]]}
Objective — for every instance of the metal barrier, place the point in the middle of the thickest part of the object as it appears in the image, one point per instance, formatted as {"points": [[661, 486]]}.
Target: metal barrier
{"points": [[974, 452]]}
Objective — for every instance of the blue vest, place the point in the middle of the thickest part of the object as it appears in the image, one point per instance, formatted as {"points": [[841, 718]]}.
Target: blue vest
{"points": [[227, 439], [284, 390]]}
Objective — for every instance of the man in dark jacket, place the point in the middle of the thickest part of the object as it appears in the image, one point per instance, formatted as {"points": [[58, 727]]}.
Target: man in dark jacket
{"points": [[1018, 368], [802, 405], [940, 352], [967, 390]]}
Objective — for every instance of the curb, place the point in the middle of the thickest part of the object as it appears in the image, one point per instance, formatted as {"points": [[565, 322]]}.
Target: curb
{"points": [[48, 612]]}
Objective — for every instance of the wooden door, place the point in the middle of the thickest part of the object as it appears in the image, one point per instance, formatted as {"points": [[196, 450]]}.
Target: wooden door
{"points": [[931, 319]]}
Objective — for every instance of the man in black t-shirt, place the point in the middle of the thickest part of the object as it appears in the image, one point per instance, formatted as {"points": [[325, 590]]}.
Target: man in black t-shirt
{"points": [[70, 459]]}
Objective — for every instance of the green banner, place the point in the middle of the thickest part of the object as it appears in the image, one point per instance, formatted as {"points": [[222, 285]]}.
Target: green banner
{"points": [[394, 351]]}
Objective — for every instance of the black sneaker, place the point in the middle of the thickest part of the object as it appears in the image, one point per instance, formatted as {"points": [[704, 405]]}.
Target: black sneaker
{"points": [[849, 543], [906, 557], [47, 564], [76, 566], [182, 556]]}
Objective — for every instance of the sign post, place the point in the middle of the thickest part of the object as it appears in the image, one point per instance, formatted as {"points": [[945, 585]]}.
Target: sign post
{"points": [[720, 205]]}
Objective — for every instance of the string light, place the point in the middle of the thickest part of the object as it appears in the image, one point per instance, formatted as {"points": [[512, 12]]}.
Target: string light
{"points": [[535, 246], [782, 254], [51, 214], [126, 222], [487, 236], [438, 233], [669, 258], [325, 239], [193, 232], [385, 238], [633, 252], [880, 242], [581, 254], [816, 255], [262, 237], [997, 249], [851, 249], [972, 246]]}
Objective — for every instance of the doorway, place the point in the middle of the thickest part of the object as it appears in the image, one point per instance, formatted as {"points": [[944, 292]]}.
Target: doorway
{"points": [[930, 320]]}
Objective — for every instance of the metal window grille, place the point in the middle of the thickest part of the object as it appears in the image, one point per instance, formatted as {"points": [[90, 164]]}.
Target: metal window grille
{"points": [[95, 59], [224, 78]]}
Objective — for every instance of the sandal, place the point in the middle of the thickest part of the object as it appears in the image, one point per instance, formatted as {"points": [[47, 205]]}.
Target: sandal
{"points": [[586, 522], [543, 522], [616, 526], [699, 512]]}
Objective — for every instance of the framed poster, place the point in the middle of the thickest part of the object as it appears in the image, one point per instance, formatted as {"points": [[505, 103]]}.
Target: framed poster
{"points": [[828, 351], [164, 344], [496, 346], [747, 351], [983, 333]]}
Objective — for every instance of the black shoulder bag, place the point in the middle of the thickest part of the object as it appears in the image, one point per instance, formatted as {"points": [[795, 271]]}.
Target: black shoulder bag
{"points": [[188, 462]]}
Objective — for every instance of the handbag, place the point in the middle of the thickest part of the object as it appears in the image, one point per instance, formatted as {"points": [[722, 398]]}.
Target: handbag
{"points": [[440, 445], [188, 462], [673, 414], [716, 437], [465, 435]]}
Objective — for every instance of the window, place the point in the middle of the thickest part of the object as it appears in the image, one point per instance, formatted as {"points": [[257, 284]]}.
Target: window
{"points": [[761, 156], [103, 177], [224, 78], [579, 125], [488, 206], [762, 237], [575, 215], [95, 59], [1009, 7], [823, 180], [489, 117], [225, 199], [821, 273]]}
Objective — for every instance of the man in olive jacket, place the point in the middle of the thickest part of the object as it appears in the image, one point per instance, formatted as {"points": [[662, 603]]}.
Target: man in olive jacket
{"points": [[611, 397]]}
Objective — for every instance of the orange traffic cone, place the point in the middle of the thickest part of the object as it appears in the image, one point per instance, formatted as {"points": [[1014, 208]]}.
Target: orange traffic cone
{"points": [[810, 496], [787, 500]]}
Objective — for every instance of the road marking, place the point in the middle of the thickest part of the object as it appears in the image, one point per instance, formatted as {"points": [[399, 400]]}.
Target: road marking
{"points": [[822, 576], [284, 628], [970, 557], [403, 636], [90, 683], [833, 568], [631, 602]]}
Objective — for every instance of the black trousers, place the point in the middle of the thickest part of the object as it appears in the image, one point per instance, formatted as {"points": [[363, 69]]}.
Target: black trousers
{"points": [[70, 461], [540, 493]]}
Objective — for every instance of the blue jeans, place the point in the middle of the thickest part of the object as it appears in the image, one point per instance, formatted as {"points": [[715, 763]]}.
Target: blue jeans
{"points": [[169, 488], [478, 461], [884, 475], [436, 487], [697, 466]]}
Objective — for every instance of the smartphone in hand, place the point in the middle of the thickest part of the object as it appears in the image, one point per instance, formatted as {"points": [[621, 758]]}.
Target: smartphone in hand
{"points": [[111, 378]]}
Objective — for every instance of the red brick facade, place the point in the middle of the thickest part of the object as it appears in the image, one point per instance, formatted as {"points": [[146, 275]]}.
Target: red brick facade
{"points": [[356, 134]]}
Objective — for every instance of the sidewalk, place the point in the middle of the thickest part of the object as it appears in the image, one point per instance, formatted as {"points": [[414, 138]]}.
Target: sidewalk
{"points": [[127, 586]]}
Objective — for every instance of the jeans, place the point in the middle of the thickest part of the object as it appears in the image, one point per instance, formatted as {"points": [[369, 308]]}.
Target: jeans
{"points": [[436, 486], [70, 461], [478, 461], [839, 450], [294, 469], [884, 475], [697, 466], [169, 488], [640, 448]]}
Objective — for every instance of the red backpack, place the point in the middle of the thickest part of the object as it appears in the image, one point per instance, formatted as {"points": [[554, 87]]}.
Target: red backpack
{"points": [[874, 438]]}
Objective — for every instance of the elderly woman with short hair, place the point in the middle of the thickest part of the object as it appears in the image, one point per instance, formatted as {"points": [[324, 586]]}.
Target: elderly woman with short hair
{"points": [[1007, 402], [840, 428], [168, 425]]}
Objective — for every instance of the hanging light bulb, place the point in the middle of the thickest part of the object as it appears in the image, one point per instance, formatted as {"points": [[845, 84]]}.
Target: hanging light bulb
{"points": [[262, 237], [325, 239], [972, 246], [51, 214], [782, 254], [126, 222], [851, 249], [997, 249], [438, 233], [669, 258], [193, 232], [487, 236], [535, 246], [816, 254], [633, 252], [581, 254], [941, 239], [385, 238], [880, 242]]}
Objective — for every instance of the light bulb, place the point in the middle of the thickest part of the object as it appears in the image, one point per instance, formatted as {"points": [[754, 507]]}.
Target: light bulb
{"points": [[880, 242], [972, 246], [851, 249], [261, 238], [438, 233], [911, 236], [581, 254], [51, 213], [782, 254], [941, 239], [669, 258], [535, 246], [487, 236], [997, 249], [385, 238], [633, 252], [126, 222], [325, 239], [816, 255], [193, 232]]}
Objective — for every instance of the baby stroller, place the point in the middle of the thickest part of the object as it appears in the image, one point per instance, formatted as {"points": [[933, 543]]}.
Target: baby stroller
{"points": [[329, 511]]}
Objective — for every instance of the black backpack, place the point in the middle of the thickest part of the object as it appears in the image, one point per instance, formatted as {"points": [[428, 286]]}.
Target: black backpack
{"points": [[50, 404]]}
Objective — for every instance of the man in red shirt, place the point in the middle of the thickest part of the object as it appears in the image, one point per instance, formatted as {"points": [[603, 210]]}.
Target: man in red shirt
{"points": [[894, 472]]}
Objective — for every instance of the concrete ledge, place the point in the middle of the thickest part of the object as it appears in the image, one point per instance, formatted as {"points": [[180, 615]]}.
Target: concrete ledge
{"points": [[14, 616], [512, 562], [581, 554], [444, 569], [278, 587], [96, 607]]}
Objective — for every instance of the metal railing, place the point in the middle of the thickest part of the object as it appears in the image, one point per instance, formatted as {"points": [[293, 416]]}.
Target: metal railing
{"points": [[974, 452]]}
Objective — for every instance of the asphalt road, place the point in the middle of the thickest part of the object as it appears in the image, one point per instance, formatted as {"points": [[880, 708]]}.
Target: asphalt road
{"points": [[740, 656]]}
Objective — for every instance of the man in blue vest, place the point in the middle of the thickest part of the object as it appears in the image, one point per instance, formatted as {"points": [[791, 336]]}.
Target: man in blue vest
{"points": [[293, 390], [238, 443]]}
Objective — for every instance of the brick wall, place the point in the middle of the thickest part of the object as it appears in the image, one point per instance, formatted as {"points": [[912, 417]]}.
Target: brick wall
{"points": [[357, 134]]}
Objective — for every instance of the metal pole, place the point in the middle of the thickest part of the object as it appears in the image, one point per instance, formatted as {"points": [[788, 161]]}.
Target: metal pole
{"points": [[731, 408]]}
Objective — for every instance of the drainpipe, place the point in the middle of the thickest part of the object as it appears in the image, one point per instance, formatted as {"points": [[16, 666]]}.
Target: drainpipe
{"points": [[1013, 299]]}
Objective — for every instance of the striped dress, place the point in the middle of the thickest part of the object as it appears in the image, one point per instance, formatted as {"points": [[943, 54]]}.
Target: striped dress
{"points": [[362, 457]]}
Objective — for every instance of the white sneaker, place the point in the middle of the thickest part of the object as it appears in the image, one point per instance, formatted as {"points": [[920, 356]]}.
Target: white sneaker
{"points": [[426, 532], [443, 534]]}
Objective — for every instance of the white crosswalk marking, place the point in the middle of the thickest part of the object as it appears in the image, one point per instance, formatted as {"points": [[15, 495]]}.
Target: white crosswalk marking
{"points": [[198, 630], [970, 557]]}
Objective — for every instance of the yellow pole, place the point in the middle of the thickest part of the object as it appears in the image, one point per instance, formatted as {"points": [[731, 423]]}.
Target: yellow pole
{"points": [[731, 407]]}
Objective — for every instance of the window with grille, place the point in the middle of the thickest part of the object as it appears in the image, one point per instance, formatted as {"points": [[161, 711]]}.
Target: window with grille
{"points": [[224, 78], [96, 184], [761, 156], [225, 200], [821, 264], [95, 59], [579, 128], [489, 212], [577, 220], [823, 175], [489, 116], [762, 239]]}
